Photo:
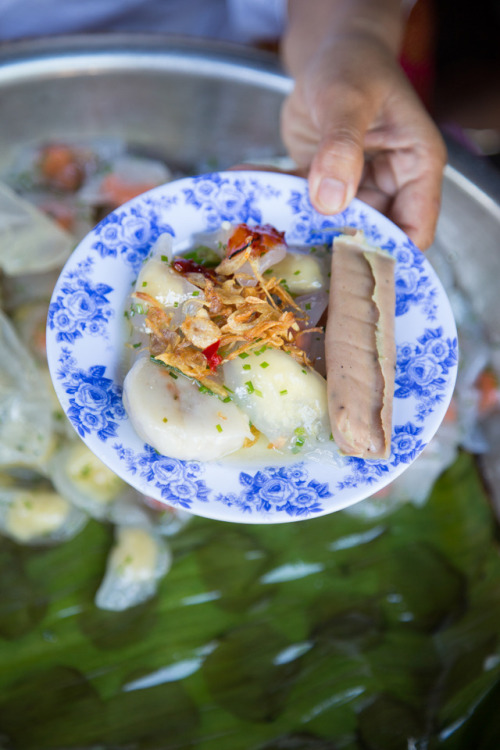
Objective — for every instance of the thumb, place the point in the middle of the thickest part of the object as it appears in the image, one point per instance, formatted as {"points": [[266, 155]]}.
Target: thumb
{"points": [[337, 166]]}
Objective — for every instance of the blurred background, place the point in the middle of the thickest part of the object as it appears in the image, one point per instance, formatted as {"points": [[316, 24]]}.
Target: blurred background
{"points": [[375, 628], [451, 53]]}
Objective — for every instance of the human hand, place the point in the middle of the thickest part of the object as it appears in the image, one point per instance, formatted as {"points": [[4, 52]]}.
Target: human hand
{"points": [[355, 123]]}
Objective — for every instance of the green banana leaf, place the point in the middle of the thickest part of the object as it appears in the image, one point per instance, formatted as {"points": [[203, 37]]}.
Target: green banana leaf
{"points": [[340, 632]]}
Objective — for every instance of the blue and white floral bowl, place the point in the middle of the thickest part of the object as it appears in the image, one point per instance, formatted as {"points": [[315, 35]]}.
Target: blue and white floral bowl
{"points": [[85, 343]]}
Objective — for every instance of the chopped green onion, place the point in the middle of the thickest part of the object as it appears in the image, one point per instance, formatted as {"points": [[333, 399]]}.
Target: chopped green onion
{"points": [[283, 392], [173, 375], [165, 419], [144, 283], [243, 355], [264, 365], [300, 434], [308, 305], [195, 294], [296, 273], [165, 258], [259, 351], [218, 428], [252, 389], [247, 367]]}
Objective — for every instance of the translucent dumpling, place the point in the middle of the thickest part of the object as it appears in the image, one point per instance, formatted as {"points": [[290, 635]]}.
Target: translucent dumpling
{"points": [[81, 476], [284, 399], [169, 412], [29, 240], [136, 563], [38, 516], [26, 428]]}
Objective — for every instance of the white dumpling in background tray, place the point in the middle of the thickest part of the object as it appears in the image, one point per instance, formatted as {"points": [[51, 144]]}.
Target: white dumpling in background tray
{"points": [[126, 176], [171, 414], [30, 321], [78, 474], [29, 240], [136, 563], [38, 516], [26, 418], [284, 399]]}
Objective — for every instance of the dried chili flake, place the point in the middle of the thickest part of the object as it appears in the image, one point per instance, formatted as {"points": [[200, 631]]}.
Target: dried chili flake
{"points": [[213, 357]]}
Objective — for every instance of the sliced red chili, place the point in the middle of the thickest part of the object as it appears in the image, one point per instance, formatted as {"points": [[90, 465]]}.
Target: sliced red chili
{"points": [[211, 353]]}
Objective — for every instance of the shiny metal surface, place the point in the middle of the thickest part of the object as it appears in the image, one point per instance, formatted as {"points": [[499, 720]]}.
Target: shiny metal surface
{"points": [[197, 104], [469, 233]]}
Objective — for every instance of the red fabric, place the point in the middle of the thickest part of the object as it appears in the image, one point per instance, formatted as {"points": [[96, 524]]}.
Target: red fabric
{"points": [[418, 47]]}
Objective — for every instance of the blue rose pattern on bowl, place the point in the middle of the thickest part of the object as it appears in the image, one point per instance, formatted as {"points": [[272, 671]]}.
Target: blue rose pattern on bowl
{"points": [[85, 343], [81, 305]]}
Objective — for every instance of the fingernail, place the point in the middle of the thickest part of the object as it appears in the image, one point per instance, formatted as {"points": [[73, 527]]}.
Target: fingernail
{"points": [[331, 194]]}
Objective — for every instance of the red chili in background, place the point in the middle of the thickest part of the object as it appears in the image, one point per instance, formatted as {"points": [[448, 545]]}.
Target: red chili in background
{"points": [[213, 358]]}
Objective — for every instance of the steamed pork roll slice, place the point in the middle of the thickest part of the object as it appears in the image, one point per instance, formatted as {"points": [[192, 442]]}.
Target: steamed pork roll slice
{"points": [[360, 347]]}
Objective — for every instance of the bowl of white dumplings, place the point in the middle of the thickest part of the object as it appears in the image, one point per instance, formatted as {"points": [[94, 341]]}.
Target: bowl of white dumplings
{"points": [[186, 345]]}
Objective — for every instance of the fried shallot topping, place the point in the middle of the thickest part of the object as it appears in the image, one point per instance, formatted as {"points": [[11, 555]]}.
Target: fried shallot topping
{"points": [[235, 312]]}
